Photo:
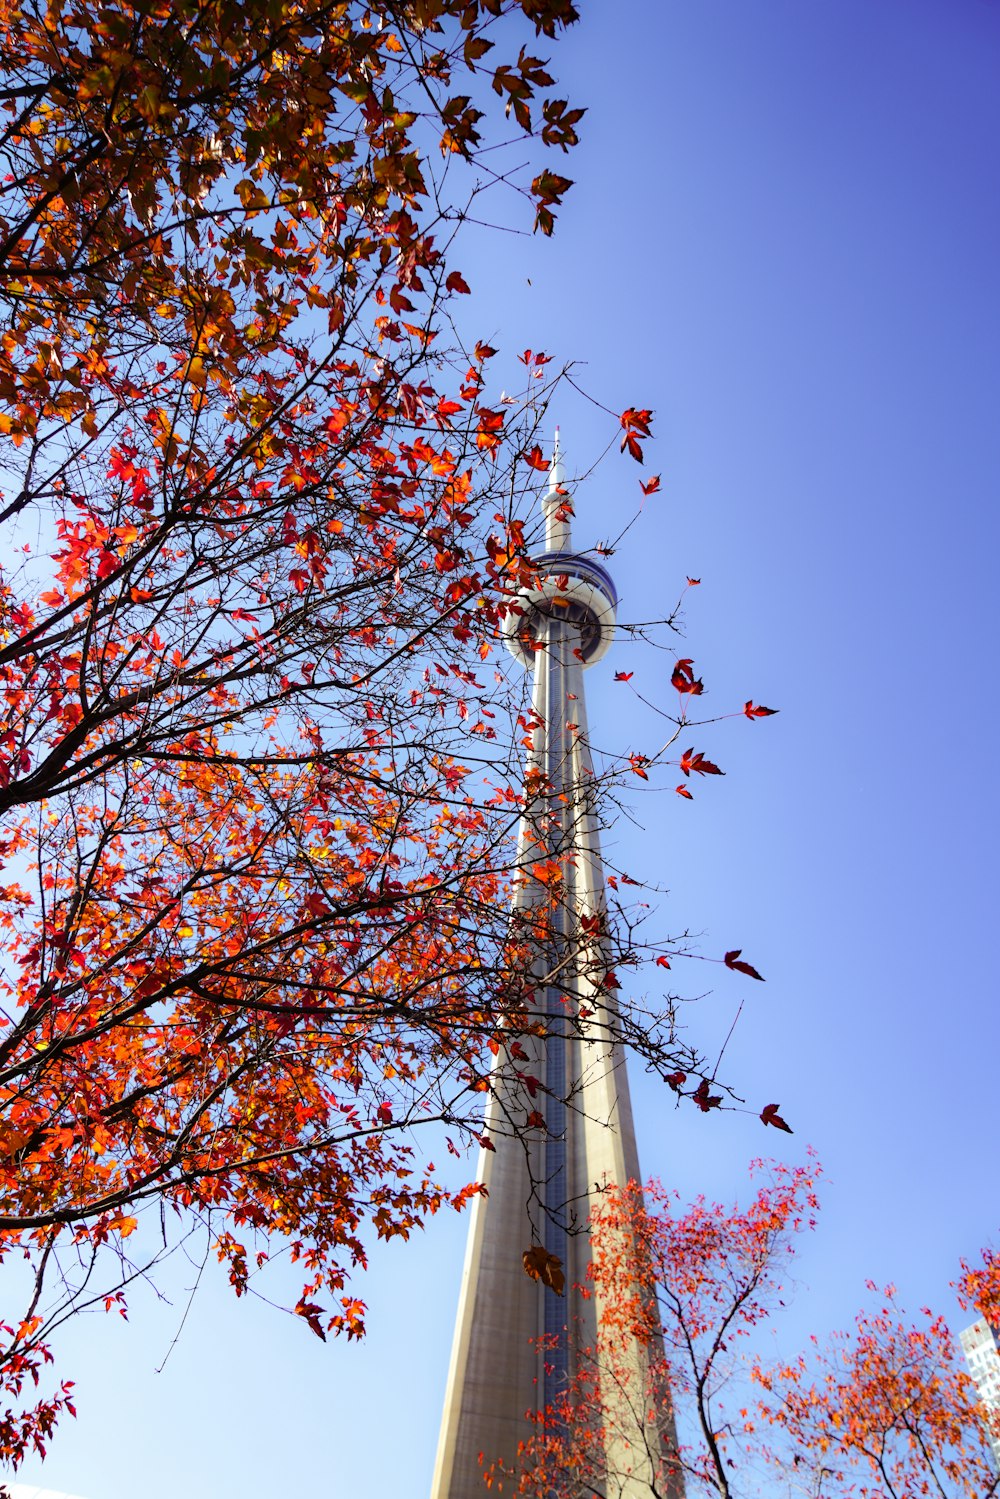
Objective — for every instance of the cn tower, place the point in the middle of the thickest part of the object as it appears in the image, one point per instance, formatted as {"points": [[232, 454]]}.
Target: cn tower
{"points": [[516, 1339]]}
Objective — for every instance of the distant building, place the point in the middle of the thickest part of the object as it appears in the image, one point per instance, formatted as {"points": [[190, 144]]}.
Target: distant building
{"points": [[982, 1355]]}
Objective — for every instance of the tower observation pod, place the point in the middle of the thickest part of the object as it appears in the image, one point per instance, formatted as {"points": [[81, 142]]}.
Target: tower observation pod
{"points": [[519, 1344]]}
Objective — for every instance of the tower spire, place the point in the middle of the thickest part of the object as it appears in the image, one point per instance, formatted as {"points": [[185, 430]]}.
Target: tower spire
{"points": [[516, 1340], [556, 506]]}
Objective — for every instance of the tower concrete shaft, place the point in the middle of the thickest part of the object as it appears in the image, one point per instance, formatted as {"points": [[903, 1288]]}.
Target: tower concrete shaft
{"points": [[517, 1342]]}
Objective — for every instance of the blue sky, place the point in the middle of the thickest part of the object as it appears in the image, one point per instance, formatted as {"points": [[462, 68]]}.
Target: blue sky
{"points": [[785, 238]]}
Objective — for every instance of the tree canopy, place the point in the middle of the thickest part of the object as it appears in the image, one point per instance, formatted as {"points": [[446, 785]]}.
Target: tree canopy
{"points": [[265, 521], [262, 528], [883, 1410]]}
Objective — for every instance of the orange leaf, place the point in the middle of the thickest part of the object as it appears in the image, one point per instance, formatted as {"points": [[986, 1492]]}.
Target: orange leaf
{"points": [[541, 1265]]}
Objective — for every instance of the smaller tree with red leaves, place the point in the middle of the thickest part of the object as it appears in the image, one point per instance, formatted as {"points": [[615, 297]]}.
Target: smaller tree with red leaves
{"points": [[979, 1287], [884, 1411]]}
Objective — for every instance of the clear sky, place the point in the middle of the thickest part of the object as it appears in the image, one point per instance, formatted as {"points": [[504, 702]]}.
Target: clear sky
{"points": [[785, 238]]}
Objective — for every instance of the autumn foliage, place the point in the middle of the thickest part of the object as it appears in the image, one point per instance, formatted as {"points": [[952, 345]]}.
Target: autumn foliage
{"points": [[259, 538], [263, 523], [885, 1410]]}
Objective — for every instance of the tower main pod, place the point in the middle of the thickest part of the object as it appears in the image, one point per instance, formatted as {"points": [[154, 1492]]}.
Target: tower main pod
{"points": [[516, 1341]]}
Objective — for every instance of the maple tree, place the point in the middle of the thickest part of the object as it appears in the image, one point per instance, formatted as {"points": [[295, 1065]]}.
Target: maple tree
{"points": [[979, 1287], [260, 536], [263, 527], [885, 1411]]}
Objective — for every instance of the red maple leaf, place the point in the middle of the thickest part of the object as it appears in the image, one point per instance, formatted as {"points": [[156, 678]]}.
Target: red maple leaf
{"points": [[704, 1099], [690, 761], [310, 1314], [636, 426], [732, 960], [753, 710], [683, 791], [769, 1114], [683, 678]]}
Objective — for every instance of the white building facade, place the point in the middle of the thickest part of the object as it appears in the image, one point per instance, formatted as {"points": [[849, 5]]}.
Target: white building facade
{"points": [[979, 1344]]}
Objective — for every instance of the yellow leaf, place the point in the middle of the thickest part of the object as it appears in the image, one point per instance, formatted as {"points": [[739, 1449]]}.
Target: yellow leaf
{"points": [[195, 372]]}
